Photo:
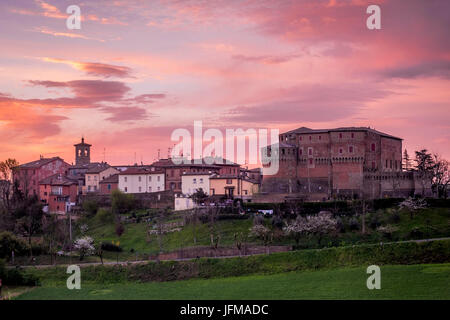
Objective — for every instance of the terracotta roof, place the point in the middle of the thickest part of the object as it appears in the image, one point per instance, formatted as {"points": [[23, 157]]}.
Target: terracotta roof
{"points": [[112, 179], [58, 180], [98, 167], [342, 129], [206, 162], [38, 163], [141, 170]]}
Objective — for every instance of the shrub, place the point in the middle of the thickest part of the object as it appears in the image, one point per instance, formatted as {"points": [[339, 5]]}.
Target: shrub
{"points": [[354, 224], [9, 242], [90, 206], [122, 202], [107, 246], [15, 277], [105, 216]]}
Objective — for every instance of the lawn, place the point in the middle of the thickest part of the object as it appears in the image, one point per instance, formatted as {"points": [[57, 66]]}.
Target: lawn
{"points": [[426, 281]]}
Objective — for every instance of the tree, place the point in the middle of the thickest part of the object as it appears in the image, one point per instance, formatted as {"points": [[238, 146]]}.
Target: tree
{"points": [[53, 234], [441, 176], [199, 196], [406, 161], [297, 228], [84, 246], [30, 218], [412, 205], [122, 202], [424, 166], [7, 168], [319, 225], [261, 232]]}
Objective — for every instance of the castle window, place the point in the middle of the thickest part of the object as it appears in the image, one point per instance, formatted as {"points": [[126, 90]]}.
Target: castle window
{"points": [[300, 151], [340, 150], [386, 163], [139, 178], [310, 138], [320, 137], [300, 138], [310, 151], [350, 149], [353, 135], [340, 135], [373, 147]]}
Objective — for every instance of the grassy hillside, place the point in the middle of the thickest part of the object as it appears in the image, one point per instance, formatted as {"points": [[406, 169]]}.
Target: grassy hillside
{"points": [[397, 282], [427, 223]]}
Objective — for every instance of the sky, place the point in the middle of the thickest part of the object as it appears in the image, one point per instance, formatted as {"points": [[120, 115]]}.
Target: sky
{"points": [[137, 70]]}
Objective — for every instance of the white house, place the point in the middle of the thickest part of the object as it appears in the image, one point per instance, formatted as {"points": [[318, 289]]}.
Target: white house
{"points": [[191, 182], [141, 180], [183, 202]]}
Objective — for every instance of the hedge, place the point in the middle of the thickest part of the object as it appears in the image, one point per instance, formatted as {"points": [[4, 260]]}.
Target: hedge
{"points": [[364, 255]]}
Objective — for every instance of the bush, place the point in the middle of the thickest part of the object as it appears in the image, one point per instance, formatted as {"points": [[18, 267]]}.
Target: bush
{"points": [[122, 202], [105, 216], [14, 277], [353, 224], [90, 206], [375, 221], [107, 246], [9, 242]]}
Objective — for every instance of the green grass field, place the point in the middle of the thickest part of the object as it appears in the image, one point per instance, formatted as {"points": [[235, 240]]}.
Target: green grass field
{"points": [[430, 281]]}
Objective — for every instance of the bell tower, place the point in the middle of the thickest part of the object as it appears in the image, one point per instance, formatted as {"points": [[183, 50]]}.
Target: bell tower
{"points": [[82, 153]]}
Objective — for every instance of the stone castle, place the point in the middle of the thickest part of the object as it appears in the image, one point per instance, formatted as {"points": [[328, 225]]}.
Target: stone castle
{"points": [[350, 162]]}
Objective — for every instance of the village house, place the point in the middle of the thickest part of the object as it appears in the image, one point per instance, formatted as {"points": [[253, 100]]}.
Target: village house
{"points": [[141, 179], [174, 171], [29, 174], [231, 186], [109, 184], [95, 174], [191, 182], [58, 193]]}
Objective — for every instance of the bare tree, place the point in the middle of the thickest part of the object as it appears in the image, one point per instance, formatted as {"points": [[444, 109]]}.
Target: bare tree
{"points": [[441, 176]]}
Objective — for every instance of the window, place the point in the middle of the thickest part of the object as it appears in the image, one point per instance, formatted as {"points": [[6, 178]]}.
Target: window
{"points": [[341, 151], [158, 178], [126, 189], [140, 189], [320, 137], [89, 178], [350, 149], [109, 187], [229, 181], [125, 179], [89, 188], [201, 180], [340, 135], [373, 147], [300, 138], [391, 164], [213, 191], [245, 192], [150, 178], [310, 151], [139, 178], [353, 135], [149, 189], [159, 188], [310, 138], [300, 151], [310, 161]]}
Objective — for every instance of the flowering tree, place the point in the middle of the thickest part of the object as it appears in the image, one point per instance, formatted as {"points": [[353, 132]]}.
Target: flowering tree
{"points": [[412, 205], [319, 224], [84, 246], [261, 232]]}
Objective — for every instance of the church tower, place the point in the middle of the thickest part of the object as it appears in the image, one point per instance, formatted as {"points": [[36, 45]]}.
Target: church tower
{"points": [[82, 153]]}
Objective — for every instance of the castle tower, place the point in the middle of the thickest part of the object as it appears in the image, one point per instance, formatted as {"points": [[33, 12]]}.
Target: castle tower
{"points": [[82, 153]]}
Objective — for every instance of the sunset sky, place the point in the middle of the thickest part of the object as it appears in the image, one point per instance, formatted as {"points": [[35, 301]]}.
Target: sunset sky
{"points": [[139, 69]]}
